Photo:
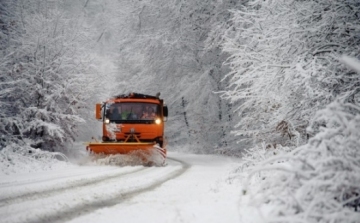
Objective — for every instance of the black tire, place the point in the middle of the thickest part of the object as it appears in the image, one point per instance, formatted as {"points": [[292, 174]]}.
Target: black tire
{"points": [[161, 143]]}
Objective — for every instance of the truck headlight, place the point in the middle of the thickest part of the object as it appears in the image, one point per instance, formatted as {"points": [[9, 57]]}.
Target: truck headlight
{"points": [[158, 121], [107, 121]]}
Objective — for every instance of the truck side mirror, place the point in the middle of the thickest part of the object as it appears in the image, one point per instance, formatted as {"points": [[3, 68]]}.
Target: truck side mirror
{"points": [[98, 111], [165, 111]]}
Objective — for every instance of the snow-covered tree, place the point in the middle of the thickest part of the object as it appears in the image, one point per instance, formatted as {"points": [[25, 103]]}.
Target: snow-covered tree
{"points": [[46, 77], [284, 64], [291, 84], [319, 181]]}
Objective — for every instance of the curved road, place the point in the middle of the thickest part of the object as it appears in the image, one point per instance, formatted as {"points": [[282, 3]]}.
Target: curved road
{"points": [[77, 193], [44, 204]]}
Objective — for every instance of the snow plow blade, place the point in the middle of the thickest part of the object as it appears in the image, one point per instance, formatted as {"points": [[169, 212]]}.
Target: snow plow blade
{"points": [[147, 153], [118, 148]]}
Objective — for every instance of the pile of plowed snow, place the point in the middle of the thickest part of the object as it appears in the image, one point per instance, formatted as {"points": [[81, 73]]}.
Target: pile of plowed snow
{"points": [[16, 159]]}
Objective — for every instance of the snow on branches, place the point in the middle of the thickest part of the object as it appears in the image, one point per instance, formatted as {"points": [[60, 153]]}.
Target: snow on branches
{"points": [[319, 181], [44, 77], [283, 57], [302, 102]]}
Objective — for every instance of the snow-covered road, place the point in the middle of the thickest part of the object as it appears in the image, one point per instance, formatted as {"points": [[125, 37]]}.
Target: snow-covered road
{"points": [[191, 188]]}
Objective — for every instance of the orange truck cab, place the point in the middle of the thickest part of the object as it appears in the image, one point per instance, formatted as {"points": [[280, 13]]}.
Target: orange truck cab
{"points": [[131, 122]]}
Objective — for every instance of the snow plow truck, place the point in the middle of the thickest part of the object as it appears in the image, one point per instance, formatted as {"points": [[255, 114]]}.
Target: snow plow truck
{"points": [[132, 125]]}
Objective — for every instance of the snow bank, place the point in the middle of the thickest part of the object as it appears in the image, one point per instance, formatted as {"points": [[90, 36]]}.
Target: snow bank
{"points": [[317, 182], [16, 159]]}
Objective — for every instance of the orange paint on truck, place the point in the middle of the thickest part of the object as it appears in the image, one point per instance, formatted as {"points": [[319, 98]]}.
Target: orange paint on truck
{"points": [[127, 127]]}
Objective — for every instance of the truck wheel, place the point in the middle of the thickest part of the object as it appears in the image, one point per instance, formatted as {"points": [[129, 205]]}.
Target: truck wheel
{"points": [[161, 143]]}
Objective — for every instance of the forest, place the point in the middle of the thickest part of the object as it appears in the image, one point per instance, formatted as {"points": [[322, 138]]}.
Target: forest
{"points": [[276, 83]]}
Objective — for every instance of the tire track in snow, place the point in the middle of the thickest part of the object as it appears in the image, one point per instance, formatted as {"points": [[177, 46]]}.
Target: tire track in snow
{"points": [[15, 183], [175, 174], [47, 179], [79, 210], [36, 194]]}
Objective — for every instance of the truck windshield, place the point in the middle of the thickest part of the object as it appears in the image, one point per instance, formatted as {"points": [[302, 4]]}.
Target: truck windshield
{"points": [[125, 112]]}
